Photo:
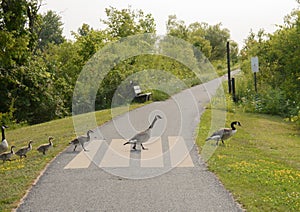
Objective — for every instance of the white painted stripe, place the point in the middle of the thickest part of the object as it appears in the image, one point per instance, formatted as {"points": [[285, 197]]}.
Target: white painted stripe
{"points": [[153, 156], [84, 159], [179, 154], [117, 155]]}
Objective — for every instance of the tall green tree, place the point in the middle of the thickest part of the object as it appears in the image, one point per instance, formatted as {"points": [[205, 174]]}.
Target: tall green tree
{"points": [[50, 30], [27, 86], [196, 36], [89, 41], [126, 22], [177, 28], [211, 40], [278, 79], [218, 38]]}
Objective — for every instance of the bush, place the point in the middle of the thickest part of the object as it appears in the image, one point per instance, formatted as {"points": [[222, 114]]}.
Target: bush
{"points": [[267, 100], [159, 95]]}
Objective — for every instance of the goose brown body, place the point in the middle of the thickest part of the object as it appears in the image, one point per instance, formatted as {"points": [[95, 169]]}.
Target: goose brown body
{"points": [[7, 155], [224, 133], [143, 136], [81, 140], [45, 147], [24, 150]]}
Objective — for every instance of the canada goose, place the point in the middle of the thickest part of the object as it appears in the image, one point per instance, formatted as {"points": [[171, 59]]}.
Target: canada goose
{"points": [[7, 155], [3, 144], [23, 151], [81, 140], [224, 133], [44, 147], [143, 136]]}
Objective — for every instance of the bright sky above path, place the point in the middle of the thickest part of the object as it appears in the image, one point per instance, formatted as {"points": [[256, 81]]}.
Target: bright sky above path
{"points": [[239, 16]]}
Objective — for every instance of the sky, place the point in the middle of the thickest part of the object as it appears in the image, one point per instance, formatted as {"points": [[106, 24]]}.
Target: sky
{"points": [[239, 16]]}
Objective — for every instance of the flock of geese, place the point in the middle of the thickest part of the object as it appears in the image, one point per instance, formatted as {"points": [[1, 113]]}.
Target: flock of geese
{"points": [[6, 156], [140, 138]]}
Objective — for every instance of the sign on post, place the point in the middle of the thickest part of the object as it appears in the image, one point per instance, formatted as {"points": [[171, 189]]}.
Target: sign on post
{"points": [[254, 64], [255, 68]]}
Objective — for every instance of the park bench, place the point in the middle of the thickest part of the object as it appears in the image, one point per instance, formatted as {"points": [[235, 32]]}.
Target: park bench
{"points": [[139, 95]]}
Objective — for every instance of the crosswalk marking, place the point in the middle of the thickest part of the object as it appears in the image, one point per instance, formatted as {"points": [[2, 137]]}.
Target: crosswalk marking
{"points": [[117, 155], [153, 157], [178, 151], [84, 159]]}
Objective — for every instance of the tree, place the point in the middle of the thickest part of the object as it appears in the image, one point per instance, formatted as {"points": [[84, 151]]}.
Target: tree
{"points": [[26, 84], [210, 40], [218, 38], [17, 21], [278, 79], [14, 16], [234, 51], [126, 22], [50, 30], [196, 36], [177, 28], [89, 41]]}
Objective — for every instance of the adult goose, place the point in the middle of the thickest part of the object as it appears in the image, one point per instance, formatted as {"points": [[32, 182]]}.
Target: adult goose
{"points": [[3, 144], [143, 136], [7, 155], [81, 140], [23, 151], [224, 133], [45, 147]]}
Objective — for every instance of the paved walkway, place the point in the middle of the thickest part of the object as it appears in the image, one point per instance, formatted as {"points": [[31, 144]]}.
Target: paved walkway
{"points": [[169, 176]]}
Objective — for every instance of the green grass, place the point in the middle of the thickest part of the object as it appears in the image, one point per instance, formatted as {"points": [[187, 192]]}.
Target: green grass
{"points": [[17, 176], [260, 165]]}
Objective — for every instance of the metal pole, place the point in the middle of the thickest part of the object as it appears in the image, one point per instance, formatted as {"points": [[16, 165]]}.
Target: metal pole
{"points": [[228, 66], [255, 82], [233, 90]]}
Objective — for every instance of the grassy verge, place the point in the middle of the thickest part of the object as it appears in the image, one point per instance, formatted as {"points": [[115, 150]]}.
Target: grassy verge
{"points": [[260, 165], [16, 176]]}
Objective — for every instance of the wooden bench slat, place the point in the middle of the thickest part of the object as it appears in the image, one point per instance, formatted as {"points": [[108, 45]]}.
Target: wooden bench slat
{"points": [[138, 93]]}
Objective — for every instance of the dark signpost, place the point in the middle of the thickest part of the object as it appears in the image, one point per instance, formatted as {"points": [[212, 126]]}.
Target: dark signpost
{"points": [[228, 67], [255, 69]]}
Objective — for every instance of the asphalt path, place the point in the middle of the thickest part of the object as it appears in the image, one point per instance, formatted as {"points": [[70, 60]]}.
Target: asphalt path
{"points": [[168, 176]]}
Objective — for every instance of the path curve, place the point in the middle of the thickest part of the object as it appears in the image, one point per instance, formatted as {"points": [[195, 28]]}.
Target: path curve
{"points": [[141, 180]]}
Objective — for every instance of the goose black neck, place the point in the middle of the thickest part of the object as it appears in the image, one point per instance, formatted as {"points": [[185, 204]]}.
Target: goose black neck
{"points": [[3, 134], [88, 134], [152, 124], [232, 125]]}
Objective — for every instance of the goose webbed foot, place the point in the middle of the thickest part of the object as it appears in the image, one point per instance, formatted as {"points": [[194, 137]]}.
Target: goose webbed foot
{"points": [[143, 147], [84, 149], [134, 147]]}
